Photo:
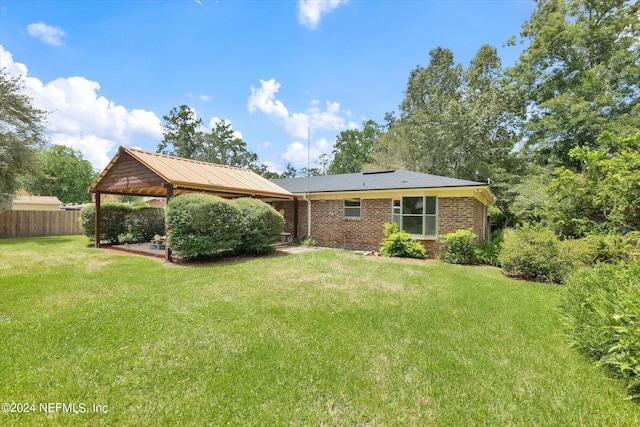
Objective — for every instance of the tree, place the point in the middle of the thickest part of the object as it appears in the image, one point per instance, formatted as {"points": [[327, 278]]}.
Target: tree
{"points": [[605, 196], [581, 71], [454, 122], [221, 146], [62, 172], [181, 133], [353, 148], [21, 132], [184, 137]]}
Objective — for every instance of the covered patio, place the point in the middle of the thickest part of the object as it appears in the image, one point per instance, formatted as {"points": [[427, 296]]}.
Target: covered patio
{"points": [[134, 172]]}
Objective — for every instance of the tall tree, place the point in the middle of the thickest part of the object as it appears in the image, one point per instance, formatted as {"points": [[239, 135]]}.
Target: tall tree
{"points": [[21, 132], [185, 137], [581, 69], [223, 147], [353, 148], [181, 133], [62, 172], [453, 122]]}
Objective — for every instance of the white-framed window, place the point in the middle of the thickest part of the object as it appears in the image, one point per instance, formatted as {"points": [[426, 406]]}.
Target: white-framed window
{"points": [[351, 208], [416, 215]]}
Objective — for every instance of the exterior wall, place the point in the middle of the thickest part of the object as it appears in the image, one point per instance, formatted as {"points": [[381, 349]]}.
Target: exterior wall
{"points": [[460, 213], [331, 229]]}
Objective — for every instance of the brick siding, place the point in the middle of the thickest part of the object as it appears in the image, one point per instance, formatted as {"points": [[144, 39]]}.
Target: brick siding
{"points": [[331, 229]]}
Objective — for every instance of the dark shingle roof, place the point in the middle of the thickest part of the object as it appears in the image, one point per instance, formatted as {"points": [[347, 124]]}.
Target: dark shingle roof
{"points": [[367, 181]]}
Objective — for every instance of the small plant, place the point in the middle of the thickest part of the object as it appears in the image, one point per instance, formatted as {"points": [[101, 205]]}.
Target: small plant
{"points": [[400, 244], [458, 247], [309, 241]]}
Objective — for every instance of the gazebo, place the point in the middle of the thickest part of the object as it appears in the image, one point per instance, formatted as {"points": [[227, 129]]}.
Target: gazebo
{"points": [[142, 173]]}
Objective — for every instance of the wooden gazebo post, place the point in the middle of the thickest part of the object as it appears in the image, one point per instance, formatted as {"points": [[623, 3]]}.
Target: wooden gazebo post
{"points": [[167, 251], [98, 221]]}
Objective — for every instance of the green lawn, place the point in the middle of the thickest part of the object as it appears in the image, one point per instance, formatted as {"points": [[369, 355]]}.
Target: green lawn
{"points": [[321, 338]]}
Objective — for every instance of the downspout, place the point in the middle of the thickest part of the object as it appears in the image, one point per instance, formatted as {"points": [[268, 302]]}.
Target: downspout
{"points": [[308, 199]]}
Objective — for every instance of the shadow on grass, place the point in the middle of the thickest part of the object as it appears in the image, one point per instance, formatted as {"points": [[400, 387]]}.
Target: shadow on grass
{"points": [[198, 262], [42, 241]]}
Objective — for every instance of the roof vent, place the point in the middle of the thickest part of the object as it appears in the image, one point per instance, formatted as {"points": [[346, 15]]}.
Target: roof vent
{"points": [[378, 172]]}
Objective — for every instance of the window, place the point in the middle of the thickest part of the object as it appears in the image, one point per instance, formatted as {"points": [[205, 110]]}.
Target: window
{"points": [[416, 215], [351, 208]]}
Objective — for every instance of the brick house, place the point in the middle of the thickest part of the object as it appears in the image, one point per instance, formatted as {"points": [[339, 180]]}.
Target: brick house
{"points": [[349, 210]]}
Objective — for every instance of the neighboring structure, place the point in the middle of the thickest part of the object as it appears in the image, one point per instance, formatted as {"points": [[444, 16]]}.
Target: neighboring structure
{"points": [[349, 210], [35, 203]]}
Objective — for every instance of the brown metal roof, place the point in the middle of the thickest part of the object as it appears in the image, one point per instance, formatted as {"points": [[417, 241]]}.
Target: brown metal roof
{"points": [[137, 172]]}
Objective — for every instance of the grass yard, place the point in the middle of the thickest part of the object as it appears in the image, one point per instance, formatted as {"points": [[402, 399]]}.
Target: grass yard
{"points": [[321, 338]]}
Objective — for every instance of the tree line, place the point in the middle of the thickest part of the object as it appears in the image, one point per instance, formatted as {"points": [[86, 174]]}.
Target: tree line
{"points": [[570, 97]]}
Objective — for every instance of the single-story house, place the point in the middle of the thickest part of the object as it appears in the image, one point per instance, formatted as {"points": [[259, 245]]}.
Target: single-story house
{"points": [[36, 203], [349, 210]]}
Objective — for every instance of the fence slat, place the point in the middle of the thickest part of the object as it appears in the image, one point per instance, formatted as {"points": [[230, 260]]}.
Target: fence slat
{"points": [[39, 223]]}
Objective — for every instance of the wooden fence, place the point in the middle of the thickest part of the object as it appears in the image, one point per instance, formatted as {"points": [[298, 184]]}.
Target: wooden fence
{"points": [[39, 223]]}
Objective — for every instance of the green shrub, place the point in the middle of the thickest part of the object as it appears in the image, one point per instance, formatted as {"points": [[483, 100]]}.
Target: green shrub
{"points": [[533, 253], [203, 226], [309, 241], [261, 227], [399, 244], [113, 226], [603, 248], [602, 307], [144, 222], [489, 250], [458, 247]]}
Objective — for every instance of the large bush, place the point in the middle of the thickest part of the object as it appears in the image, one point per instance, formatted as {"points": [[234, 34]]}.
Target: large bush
{"points": [[533, 253], [261, 226], [144, 222], [458, 247], [202, 225], [113, 226], [602, 309], [400, 244]]}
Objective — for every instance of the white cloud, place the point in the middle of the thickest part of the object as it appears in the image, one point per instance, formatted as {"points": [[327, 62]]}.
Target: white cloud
{"points": [[46, 33], [81, 119], [310, 11], [297, 124], [296, 153]]}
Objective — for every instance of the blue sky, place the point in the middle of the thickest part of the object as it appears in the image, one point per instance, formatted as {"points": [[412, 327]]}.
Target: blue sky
{"points": [[107, 71]]}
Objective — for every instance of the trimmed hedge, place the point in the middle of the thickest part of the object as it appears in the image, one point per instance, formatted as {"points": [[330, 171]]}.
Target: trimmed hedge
{"points": [[534, 253], [114, 221], [261, 227], [400, 244], [602, 307], [121, 222], [203, 226], [144, 222]]}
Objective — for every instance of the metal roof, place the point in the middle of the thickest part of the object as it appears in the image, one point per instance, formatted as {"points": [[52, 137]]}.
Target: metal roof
{"points": [[138, 172], [368, 181]]}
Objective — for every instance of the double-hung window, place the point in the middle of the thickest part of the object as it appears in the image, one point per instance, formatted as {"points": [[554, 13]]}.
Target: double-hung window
{"points": [[416, 215], [352, 208]]}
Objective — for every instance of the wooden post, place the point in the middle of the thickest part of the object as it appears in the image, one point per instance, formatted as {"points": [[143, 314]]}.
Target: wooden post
{"points": [[167, 251], [295, 218], [98, 220]]}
